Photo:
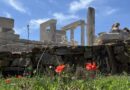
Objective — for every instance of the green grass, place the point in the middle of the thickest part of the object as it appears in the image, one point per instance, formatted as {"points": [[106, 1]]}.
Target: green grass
{"points": [[66, 83]]}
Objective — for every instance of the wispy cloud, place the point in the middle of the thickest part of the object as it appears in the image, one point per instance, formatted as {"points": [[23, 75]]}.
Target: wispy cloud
{"points": [[20, 30], [35, 23], [17, 5], [7, 14], [111, 11], [62, 18], [34, 28], [80, 4]]}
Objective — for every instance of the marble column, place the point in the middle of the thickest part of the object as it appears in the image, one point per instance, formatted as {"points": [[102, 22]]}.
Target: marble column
{"points": [[42, 28], [72, 35], [90, 26], [82, 35], [53, 32]]}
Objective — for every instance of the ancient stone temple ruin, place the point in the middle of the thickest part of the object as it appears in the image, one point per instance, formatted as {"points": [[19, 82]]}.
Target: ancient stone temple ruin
{"points": [[48, 32], [49, 35], [9, 41], [6, 31]]}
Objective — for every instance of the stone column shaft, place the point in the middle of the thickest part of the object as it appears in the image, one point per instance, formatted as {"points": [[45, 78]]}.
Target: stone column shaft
{"points": [[82, 35], [72, 35], [53, 32], [42, 28], [90, 26]]}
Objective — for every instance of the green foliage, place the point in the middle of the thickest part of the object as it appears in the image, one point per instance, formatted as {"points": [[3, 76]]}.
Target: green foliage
{"points": [[66, 83], [112, 83]]}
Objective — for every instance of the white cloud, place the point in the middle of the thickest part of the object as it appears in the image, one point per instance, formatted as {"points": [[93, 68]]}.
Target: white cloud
{"points": [[62, 19], [34, 28], [20, 30], [35, 23], [17, 5], [78, 5], [106, 11], [111, 11], [8, 15]]}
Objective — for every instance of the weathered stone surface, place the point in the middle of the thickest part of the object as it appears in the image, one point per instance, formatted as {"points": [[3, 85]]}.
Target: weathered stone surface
{"points": [[21, 62], [4, 63], [90, 26], [73, 27], [9, 36], [49, 33], [9, 41], [6, 22]]}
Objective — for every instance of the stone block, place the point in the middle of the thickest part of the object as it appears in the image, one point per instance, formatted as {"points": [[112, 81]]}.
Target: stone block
{"points": [[6, 22], [9, 36]]}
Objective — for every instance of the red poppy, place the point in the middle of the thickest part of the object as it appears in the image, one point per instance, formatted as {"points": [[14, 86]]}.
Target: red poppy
{"points": [[59, 68], [7, 81], [91, 66]]}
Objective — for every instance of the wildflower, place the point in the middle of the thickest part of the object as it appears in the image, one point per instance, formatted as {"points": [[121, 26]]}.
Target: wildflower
{"points": [[59, 68], [50, 67], [91, 66], [7, 81]]}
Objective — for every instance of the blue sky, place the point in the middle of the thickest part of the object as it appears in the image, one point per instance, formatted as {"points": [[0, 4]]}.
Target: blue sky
{"points": [[34, 12]]}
